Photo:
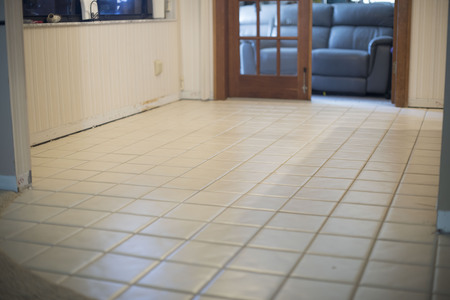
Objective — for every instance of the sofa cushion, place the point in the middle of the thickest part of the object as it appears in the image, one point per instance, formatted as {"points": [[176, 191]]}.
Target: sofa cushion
{"points": [[322, 21], [355, 37], [340, 62], [376, 14]]}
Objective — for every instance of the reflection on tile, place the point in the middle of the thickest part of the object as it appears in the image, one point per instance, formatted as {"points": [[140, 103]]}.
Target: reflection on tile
{"points": [[92, 288]]}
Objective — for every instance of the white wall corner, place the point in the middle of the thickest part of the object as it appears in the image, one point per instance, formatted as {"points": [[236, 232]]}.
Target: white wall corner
{"points": [[443, 221]]}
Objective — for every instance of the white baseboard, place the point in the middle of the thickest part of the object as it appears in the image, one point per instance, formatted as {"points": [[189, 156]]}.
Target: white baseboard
{"points": [[8, 183], [66, 129], [443, 221]]}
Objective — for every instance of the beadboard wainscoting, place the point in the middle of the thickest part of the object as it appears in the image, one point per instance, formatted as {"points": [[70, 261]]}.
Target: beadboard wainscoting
{"points": [[85, 74], [428, 53]]}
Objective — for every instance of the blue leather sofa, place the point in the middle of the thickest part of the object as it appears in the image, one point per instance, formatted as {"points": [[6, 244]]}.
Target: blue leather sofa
{"points": [[351, 46]]}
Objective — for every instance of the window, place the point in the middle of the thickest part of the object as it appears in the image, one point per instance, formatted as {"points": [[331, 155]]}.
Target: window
{"points": [[70, 10]]}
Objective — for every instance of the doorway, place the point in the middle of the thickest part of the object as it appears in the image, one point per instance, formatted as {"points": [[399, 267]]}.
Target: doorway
{"points": [[400, 65]]}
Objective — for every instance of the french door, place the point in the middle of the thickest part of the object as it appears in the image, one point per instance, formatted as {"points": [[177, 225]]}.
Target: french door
{"points": [[269, 49]]}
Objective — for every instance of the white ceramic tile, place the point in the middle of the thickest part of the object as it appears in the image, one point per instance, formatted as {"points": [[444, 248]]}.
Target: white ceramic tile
{"points": [[418, 202], [21, 252], [207, 254], [77, 217], [46, 234], [264, 261], [62, 260], [88, 187], [357, 211], [93, 239], [148, 207], [282, 240], [313, 290], [143, 293], [311, 207], [401, 252], [407, 233], [123, 222], [319, 194], [11, 227], [398, 276], [171, 275], [97, 289], [244, 217], [60, 199], [369, 198], [128, 191], [195, 212], [328, 268], [117, 267], [260, 202], [104, 203], [33, 213], [237, 285], [412, 216], [225, 233], [167, 194], [148, 246], [371, 293], [342, 246], [289, 221], [174, 228]]}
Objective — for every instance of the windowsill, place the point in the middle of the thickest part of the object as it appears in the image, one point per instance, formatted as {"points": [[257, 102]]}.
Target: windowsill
{"points": [[105, 22]]}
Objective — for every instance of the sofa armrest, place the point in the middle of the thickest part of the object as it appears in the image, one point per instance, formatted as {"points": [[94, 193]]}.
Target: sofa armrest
{"points": [[378, 41], [247, 51]]}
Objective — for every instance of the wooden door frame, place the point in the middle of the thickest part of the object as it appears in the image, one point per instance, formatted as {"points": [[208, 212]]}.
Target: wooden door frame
{"points": [[401, 51]]}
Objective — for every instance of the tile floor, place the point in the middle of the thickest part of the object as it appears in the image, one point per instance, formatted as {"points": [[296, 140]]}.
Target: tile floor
{"points": [[240, 199]]}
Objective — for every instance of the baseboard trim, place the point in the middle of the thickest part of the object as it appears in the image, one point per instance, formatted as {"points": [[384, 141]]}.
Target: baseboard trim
{"points": [[66, 129], [443, 221]]}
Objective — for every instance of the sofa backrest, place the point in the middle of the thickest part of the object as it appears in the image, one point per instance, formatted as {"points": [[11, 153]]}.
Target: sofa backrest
{"points": [[321, 24], [247, 19], [355, 25]]}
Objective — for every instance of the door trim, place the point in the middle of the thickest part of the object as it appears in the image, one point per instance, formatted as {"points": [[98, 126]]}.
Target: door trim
{"points": [[400, 76]]}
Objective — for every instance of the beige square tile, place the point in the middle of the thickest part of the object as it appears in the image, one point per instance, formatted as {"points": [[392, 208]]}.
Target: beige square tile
{"points": [[116, 267], [319, 194], [96, 165], [188, 183], [407, 233], [104, 203], [60, 199], [184, 162], [328, 268], [171, 275], [31, 196], [246, 176], [297, 170], [247, 217], [342, 246], [208, 254], [167, 171], [384, 167], [338, 173], [130, 168], [369, 198], [123, 222], [110, 177], [11, 227], [310, 207], [443, 257], [21, 252], [314, 290], [230, 186], [370, 293], [289, 221], [260, 202], [258, 167], [168, 194], [329, 183], [237, 285], [128, 191], [287, 179], [441, 277], [93, 239], [148, 180], [148, 246], [374, 186], [344, 164], [227, 234], [417, 202], [33, 213], [412, 216], [358, 211], [281, 240], [417, 190], [213, 198], [46, 234], [77, 217], [422, 169], [76, 175], [274, 190], [421, 179], [148, 207], [96, 289], [173, 228], [397, 276], [401, 252], [380, 176], [195, 212], [62, 260], [351, 227], [52, 184], [264, 261], [85, 187], [137, 292]]}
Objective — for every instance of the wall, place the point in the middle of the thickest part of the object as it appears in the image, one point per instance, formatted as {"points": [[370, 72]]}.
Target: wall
{"points": [[196, 32], [15, 163], [428, 53], [84, 74]]}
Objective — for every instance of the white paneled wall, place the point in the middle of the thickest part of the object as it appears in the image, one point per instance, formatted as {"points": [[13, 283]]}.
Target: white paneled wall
{"points": [[85, 74], [428, 53], [196, 31]]}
